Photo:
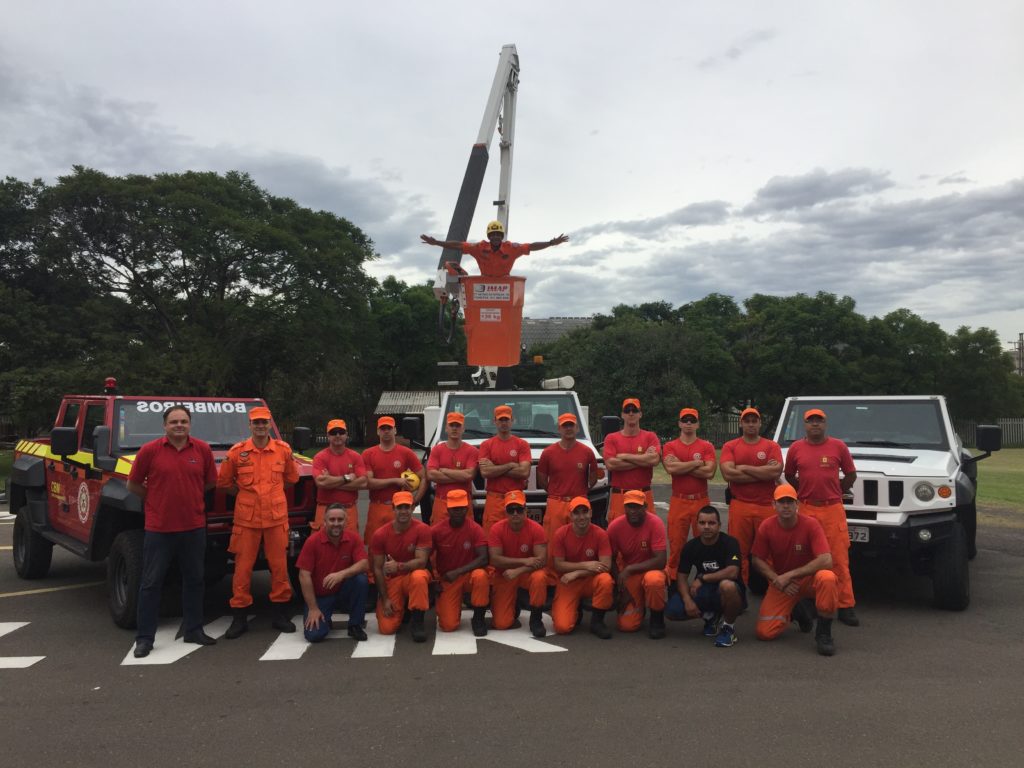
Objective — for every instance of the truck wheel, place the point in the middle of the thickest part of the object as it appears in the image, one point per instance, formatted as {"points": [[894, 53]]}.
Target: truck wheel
{"points": [[951, 581], [32, 553], [124, 574], [968, 517]]}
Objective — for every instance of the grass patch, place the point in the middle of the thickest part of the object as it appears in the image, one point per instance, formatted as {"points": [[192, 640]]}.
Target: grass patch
{"points": [[1001, 479], [6, 460]]}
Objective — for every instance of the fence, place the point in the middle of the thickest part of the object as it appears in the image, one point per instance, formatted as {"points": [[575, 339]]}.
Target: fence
{"points": [[1013, 431]]}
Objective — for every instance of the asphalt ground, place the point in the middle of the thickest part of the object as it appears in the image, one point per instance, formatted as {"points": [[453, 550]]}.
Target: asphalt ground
{"points": [[912, 686]]}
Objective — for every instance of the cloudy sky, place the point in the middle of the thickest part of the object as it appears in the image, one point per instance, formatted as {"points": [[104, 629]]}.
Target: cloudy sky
{"points": [[870, 149]]}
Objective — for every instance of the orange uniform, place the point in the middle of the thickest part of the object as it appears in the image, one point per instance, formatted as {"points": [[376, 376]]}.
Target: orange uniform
{"points": [[511, 543], [751, 503], [689, 495], [261, 514], [385, 465], [635, 545], [455, 548], [568, 473], [636, 479], [348, 462], [498, 451], [495, 263], [414, 586], [443, 457], [599, 587]]}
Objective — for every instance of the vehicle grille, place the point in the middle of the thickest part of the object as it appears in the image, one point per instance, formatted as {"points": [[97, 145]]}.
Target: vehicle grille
{"points": [[870, 493]]}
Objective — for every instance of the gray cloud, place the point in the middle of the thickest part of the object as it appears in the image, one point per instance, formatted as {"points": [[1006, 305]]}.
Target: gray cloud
{"points": [[738, 49], [783, 193], [694, 215], [955, 178]]}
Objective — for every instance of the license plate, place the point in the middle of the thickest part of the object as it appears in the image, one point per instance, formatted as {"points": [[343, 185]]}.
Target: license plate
{"points": [[859, 533]]}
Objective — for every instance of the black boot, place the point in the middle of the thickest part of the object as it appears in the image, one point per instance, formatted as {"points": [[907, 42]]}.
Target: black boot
{"points": [[823, 637], [848, 617], [239, 624], [802, 616], [282, 622], [537, 622], [478, 623], [416, 628], [597, 626], [656, 625]]}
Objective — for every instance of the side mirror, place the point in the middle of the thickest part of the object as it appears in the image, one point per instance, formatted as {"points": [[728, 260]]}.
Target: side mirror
{"points": [[610, 424], [101, 456], [302, 438], [412, 430], [64, 441], [988, 437]]}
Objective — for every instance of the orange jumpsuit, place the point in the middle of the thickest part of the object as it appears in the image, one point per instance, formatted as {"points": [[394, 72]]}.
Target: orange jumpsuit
{"points": [[516, 544], [599, 587], [776, 608], [412, 587], [261, 514], [456, 547], [833, 519], [635, 545]]}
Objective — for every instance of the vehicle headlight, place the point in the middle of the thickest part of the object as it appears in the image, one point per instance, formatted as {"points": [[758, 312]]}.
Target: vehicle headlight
{"points": [[924, 492]]}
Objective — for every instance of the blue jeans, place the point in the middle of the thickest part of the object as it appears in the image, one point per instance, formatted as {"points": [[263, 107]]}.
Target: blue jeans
{"points": [[158, 551], [708, 600], [351, 595]]}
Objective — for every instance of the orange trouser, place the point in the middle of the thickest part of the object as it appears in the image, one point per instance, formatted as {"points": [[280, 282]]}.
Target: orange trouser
{"points": [[617, 509], [744, 519], [777, 607], [494, 510], [448, 604], [503, 603], [564, 610], [556, 514], [379, 514], [351, 522], [648, 591], [833, 520], [412, 586], [682, 518], [245, 545], [439, 510]]}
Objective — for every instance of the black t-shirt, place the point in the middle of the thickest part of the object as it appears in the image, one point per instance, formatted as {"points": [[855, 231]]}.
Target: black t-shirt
{"points": [[721, 554]]}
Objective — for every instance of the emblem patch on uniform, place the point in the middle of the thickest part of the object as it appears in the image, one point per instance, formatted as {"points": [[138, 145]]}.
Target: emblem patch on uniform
{"points": [[411, 548], [458, 465], [465, 545], [524, 548], [396, 464], [590, 553], [639, 449], [83, 503], [824, 459], [798, 547], [643, 544], [579, 465], [762, 455], [513, 453], [697, 456], [243, 455]]}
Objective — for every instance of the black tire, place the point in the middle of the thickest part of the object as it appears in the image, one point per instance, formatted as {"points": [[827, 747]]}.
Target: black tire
{"points": [[124, 574], [32, 553], [951, 580], [968, 517]]}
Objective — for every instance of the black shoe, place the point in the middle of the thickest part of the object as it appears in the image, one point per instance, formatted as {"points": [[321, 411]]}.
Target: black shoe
{"points": [[281, 622], [142, 648], [597, 626], [478, 623], [537, 623], [199, 637], [357, 633], [416, 628], [239, 625], [802, 616], [823, 638], [656, 625], [848, 617]]}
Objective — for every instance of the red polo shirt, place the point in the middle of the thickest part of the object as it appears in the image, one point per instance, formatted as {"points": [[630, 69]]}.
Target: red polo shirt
{"points": [[511, 451], [515, 543], [567, 470], [580, 549], [401, 546], [817, 468], [634, 545], [387, 465], [787, 549], [456, 547], [175, 483], [320, 557], [758, 454], [443, 457], [630, 479], [348, 462], [688, 485]]}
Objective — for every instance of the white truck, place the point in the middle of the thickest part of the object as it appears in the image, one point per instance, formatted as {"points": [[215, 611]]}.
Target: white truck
{"points": [[535, 420], [914, 497]]}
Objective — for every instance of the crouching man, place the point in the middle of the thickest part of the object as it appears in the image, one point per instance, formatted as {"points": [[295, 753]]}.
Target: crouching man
{"points": [[583, 559]]}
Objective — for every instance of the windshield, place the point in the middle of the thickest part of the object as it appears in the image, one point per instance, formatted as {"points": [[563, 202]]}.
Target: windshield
{"points": [[882, 424], [220, 423], [533, 415]]}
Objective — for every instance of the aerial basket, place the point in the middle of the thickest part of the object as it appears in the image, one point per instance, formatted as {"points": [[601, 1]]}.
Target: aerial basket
{"points": [[493, 308]]}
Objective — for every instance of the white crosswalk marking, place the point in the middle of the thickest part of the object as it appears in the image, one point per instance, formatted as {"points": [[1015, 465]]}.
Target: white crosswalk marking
{"points": [[292, 646], [167, 650], [462, 642], [16, 662]]}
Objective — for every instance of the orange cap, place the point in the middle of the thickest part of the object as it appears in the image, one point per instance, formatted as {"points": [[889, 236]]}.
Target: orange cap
{"points": [[579, 501], [259, 412], [456, 498], [455, 418], [385, 421], [634, 497], [814, 412], [631, 401], [401, 497], [689, 412], [515, 497], [748, 411], [503, 410], [566, 418], [785, 491], [336, 424]]}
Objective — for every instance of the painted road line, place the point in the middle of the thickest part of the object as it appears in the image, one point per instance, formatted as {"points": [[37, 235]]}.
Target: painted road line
{"points": [[167, 650], [462, 641], [51, 589], [6, 548], [16, 662]]}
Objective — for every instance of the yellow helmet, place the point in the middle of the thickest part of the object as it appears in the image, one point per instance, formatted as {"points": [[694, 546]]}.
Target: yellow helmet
{"points": [[411, 478], [495, 226]]}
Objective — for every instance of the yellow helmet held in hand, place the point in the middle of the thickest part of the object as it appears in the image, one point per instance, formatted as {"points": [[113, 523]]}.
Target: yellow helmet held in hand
{"points": [[495, 226], [411, 478]]}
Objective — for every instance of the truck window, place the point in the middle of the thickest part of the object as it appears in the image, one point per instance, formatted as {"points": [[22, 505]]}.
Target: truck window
{"points": [[219, 423], [70, 418], [535, 415], [874, 423], [94, 414]]}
